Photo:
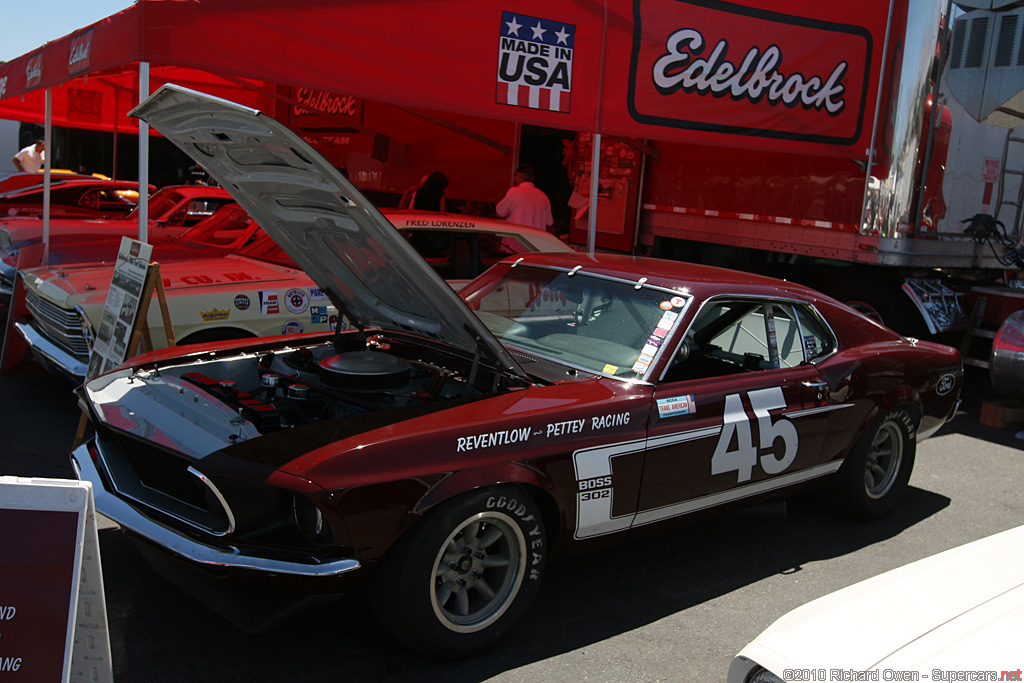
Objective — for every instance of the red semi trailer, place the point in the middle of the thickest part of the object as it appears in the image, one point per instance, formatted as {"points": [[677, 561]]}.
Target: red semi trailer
{"points": [[836, 144]]}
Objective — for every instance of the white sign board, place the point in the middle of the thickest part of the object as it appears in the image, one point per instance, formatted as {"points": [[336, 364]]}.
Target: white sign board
{"points": [[110, 348], [53, 618]]}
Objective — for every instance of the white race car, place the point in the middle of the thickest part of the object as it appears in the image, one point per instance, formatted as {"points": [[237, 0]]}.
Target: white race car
{"points": [[252, 289], [955, 616]]}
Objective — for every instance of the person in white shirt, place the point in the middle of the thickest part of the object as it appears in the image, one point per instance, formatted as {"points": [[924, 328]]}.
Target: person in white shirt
{"points": [[525, 203], [30, 159]]}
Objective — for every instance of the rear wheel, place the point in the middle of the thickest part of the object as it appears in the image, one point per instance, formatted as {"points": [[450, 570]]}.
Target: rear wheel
{"points": [[460, 579], [876, 474]]}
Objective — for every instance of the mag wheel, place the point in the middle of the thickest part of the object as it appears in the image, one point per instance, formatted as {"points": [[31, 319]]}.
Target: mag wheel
{"points": [[459, 580], [877, 472]]}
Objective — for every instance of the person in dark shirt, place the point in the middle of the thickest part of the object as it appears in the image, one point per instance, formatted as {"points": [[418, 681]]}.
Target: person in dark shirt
{"points": [[430, 195]]}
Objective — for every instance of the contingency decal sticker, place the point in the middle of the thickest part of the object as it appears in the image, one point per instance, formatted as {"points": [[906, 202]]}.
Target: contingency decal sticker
{"points": [[642, 363], [676, 405], [269, 304], [296, 300], [811, 345], [292, 327], [215, 315], [318, 315]]}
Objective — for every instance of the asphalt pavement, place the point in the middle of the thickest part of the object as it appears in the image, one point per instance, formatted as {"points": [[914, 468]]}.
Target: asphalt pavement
{"points": [[670, 607]]}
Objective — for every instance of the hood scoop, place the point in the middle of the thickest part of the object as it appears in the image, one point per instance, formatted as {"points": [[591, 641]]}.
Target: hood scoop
{"points": [[365, 371]]}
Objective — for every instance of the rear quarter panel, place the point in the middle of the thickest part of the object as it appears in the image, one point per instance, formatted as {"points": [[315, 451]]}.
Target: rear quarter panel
{"points": [[877, 369]]}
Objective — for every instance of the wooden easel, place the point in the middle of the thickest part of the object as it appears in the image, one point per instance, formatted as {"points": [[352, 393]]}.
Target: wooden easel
{"points": [[140, 331]]}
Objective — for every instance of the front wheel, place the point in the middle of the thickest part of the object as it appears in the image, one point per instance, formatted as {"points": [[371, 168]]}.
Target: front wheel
{"points": [[876, 474], [461, 578]]}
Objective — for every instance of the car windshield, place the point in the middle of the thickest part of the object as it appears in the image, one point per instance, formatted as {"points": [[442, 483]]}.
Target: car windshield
{"points": [[229, 226], [160, 203], [263, 248], [594, 323], [463, 255]]}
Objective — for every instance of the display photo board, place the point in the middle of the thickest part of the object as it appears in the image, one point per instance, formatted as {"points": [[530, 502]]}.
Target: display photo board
{"points": [[120, 312]]}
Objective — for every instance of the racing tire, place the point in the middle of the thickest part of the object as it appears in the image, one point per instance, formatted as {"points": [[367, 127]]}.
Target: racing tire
{"points": [[462, 577], [876, 474]]}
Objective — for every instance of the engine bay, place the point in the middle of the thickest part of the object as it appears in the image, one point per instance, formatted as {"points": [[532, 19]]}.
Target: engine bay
{"points": [[209, 400], [295, 387]]}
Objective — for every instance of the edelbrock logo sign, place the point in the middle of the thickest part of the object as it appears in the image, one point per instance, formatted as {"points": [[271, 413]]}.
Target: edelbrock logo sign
{"points": [[720, 67], [757, 77], [34, 71], [79, 55]]}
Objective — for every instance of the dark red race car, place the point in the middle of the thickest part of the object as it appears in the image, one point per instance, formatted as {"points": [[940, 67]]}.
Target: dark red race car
{"points": [[440, 449]]}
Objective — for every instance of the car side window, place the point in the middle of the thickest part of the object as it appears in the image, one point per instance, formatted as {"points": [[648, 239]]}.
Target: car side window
{"points": [[746, 335], [817, 338], [736, 335]]}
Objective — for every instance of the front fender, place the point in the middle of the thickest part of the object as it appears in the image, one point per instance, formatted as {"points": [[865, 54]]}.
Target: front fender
{"points": [[378, 514], [468, 480]]}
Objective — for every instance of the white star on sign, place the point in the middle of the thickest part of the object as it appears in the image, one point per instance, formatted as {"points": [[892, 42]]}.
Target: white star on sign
{"points": [[562, 36], [513, 27], [538, 32]]}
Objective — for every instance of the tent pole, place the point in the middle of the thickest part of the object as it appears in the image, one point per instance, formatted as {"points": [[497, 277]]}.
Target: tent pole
{"points": [[595, 156], [47, 165], [114, 171], [143, 157], [595, 172]]}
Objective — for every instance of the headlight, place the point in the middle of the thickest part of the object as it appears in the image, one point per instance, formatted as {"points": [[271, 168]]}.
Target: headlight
{"points": [[307, 518], [761, 675]]}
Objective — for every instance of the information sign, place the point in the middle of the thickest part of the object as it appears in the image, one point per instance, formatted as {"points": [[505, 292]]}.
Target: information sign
{"points": [[53, 624], [120, 311]]}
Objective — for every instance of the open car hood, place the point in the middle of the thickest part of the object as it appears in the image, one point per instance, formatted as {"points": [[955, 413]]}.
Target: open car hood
{"points": [[335, 234]]}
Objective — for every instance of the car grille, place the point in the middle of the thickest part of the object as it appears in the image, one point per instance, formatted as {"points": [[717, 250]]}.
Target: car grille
{"points": [[164, 472], [61, 326], [160, 479]]}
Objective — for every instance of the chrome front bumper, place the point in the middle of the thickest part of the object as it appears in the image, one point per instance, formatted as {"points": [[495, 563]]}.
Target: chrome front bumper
{"points": [[51, 356], [187, 548]]}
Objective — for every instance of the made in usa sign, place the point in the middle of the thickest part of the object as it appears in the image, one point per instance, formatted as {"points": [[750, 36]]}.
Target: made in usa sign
{"points": [[535, 62]]}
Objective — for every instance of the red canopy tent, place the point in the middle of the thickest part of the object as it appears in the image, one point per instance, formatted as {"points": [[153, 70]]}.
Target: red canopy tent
{"points": [[802, 80], [611, 66]]}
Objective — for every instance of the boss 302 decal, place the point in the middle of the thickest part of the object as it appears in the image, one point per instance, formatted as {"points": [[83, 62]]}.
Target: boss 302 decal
{"points": [[595, 477]]}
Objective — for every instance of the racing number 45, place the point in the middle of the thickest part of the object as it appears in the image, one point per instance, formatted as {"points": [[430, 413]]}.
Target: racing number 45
{"points": [[744, 457]]}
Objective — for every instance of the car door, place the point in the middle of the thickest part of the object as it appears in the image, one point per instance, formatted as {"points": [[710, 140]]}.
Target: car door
{"points": [[740, 412]]}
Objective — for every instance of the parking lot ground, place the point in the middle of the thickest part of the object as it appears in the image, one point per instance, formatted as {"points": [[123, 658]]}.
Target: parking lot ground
{"points": [[675, 606]]}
